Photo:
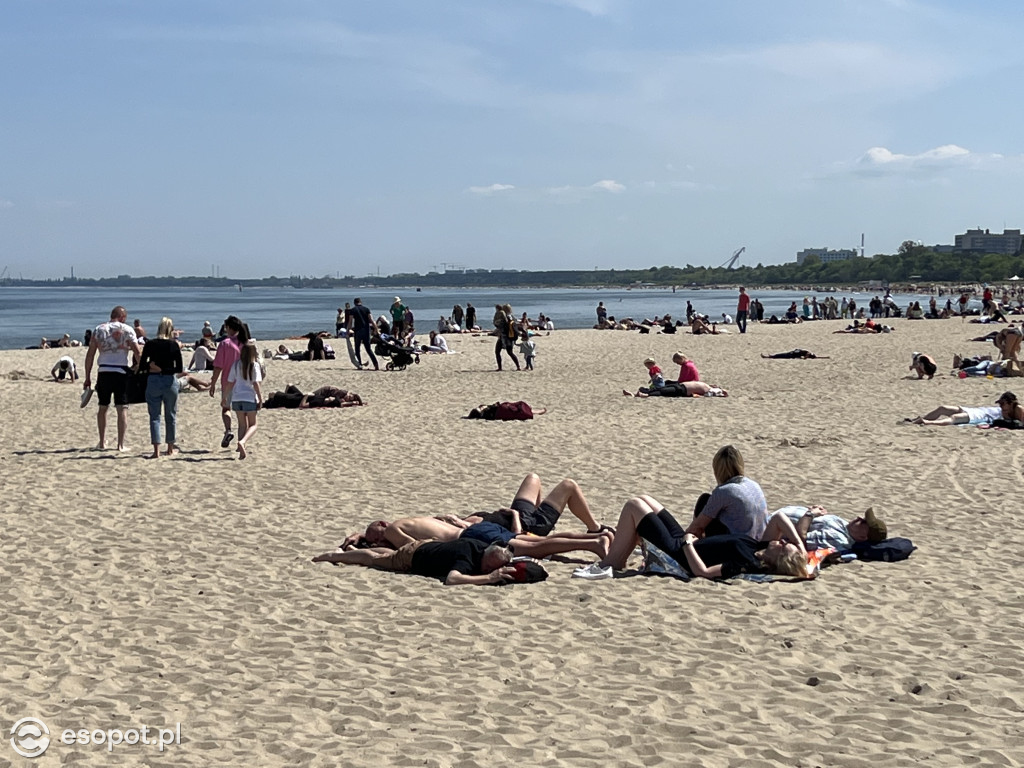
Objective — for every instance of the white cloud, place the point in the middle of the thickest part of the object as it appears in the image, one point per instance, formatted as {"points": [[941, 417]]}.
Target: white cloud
{"points": [[6, 203], [492, 189], [608, 186], [878, 161]]}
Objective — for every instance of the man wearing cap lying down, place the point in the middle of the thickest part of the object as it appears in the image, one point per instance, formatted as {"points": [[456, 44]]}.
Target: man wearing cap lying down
{"points": [[819, 530], [525, 527]]}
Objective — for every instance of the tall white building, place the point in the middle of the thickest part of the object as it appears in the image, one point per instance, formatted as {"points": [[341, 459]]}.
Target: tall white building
{"points": [[825, 254]]}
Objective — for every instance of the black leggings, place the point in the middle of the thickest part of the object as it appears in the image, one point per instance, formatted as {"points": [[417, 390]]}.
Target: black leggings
{"points": [[363, 340], [505, 342], [662, 530], [676, 389]]}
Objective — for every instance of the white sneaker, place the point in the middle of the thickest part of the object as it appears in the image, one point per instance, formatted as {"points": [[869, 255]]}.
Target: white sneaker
{"points": [[593, 572]]}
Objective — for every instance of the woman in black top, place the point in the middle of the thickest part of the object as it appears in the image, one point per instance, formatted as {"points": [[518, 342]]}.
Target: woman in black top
{"points": [[161, 357], [713, 557]]}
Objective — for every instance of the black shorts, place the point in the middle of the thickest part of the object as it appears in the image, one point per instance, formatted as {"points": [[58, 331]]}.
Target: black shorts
{"points": [[539, 520], [113, 384]]}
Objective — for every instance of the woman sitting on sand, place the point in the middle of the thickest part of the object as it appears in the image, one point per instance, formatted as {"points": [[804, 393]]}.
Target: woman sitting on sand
{"points": [[736, 505], [700, 326], [714, 557]]}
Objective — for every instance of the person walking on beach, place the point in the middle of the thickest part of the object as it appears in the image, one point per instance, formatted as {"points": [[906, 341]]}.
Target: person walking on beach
{"points": [[742, 308], [470, 317], [505, 325], [236, 334], [360, 325], [244, 381], [110, 343], [528, 347], [458, 316], [161, 357]]}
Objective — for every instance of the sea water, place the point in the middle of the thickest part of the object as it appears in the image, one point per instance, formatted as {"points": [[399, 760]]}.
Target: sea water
{"points": [[29, 313]]}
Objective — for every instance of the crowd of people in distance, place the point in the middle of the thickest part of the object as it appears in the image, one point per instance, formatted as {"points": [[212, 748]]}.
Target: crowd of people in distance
{"points": [[731, 533]]}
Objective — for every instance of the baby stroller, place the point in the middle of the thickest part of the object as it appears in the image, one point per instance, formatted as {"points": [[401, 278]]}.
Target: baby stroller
{"points": [[401, 357]]}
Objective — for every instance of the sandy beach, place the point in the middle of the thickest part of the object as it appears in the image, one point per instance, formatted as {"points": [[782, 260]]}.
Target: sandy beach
{"points": [[180, 590]]}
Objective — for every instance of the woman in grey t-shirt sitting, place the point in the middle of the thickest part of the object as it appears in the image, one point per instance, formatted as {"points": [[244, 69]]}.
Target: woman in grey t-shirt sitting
{"points": [[736, 506]]}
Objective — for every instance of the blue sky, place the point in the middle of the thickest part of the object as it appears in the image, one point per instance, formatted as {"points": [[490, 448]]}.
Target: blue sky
{"points": [[328, 137]]}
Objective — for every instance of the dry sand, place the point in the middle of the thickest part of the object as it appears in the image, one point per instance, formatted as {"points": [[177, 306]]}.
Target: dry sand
{"points": [[141, 592]]}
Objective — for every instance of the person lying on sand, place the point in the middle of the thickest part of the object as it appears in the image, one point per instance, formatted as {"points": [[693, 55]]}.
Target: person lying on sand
{"points": [[679, 389], [324, 397], [954, 415], [527, 514], [452, 562], [820, 530], [796, 354], [713, 557]]}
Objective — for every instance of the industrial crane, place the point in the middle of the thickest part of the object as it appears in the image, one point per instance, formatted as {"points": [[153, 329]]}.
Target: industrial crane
{"points": [[733, 259]]}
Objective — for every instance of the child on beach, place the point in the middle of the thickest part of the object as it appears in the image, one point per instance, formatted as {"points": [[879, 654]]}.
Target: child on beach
{"points": [[528, 349], [244, 379], [657, 377]]}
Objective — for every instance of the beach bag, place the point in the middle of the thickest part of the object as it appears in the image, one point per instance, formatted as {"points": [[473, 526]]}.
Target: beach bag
{"points": [[517, 411], [888, 551], [510, 327], [527, 572], [135, 391]]}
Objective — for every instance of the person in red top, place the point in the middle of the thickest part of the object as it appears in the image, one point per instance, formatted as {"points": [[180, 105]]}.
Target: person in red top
{"points": [[986, 299], [687, 368], [742, 307], [228, 351]]}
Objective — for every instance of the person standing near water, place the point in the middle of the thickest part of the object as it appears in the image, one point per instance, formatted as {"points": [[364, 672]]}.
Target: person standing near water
{"points": [[111, 342], [161, 357], [360, 326], [742, 308], [470, 317]]}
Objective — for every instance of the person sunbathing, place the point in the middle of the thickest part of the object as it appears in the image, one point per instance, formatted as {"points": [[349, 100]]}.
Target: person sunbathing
{"points": [[713, 557], [700, 326], [452, 562], [324, 397], [955, 415], [528, 513], [796, 354], [679, 389], [819, 530]]}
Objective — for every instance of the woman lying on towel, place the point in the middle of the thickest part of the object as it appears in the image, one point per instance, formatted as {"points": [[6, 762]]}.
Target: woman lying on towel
{"points": [[325, 397], [780, 549]]}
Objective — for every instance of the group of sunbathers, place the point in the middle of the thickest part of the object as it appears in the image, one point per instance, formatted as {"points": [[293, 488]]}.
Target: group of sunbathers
{"points": [[731, 533]]}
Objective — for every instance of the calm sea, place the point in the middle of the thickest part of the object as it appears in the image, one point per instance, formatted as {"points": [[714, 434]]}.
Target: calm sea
{"points": [[28, 314]]}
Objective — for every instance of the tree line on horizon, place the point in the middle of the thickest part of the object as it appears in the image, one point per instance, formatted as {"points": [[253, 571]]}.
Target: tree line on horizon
{"points": [[912, 264]]}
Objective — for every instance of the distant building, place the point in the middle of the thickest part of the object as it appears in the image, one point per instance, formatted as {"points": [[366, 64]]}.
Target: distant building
{"points": [[983, 241], [824, 254]]}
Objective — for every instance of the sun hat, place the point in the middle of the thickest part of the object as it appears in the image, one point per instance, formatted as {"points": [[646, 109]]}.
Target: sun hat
{"points": [[877, 530]]}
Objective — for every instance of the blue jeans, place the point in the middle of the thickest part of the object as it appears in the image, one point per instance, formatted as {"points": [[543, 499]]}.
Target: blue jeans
{"points": [[162, 390]]}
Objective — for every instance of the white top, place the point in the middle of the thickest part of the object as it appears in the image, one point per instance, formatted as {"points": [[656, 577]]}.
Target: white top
{"points": [[242, 389], [440, 342], [66, 362], [114, 342]]}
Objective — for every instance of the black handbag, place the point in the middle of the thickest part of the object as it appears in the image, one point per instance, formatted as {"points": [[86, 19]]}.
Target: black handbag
{"points": [[136, 390]]}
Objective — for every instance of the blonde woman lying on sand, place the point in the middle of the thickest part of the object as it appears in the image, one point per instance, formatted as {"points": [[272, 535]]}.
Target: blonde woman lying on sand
{"points": [[779, 550]]}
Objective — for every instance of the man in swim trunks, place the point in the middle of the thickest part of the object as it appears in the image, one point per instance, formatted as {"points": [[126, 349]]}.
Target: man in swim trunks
{"points": [[525, 526], [112, 342]]}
